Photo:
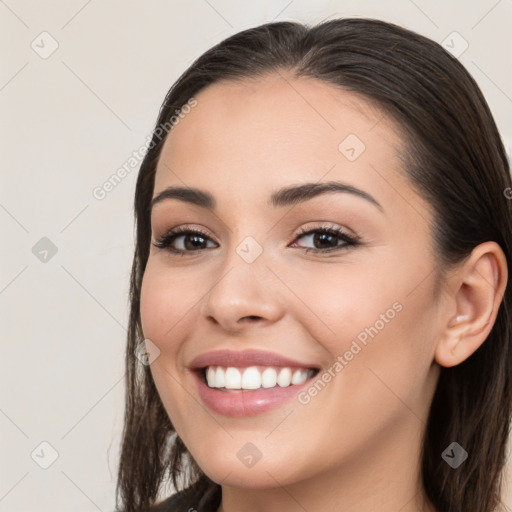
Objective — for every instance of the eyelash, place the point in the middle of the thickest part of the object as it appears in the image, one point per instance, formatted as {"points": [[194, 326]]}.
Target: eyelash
{"points": [[166, 240]]}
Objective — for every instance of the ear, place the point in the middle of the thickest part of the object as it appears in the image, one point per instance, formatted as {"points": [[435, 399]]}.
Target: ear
{"points": [[475, 291]]}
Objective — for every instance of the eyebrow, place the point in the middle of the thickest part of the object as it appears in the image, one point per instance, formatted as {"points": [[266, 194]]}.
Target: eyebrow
{"points": [[286, 196]]}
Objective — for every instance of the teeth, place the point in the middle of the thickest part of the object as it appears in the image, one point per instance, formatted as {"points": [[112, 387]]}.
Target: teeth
{"points": [[298, 377], [253, 378], [269, 378], [210, 377], [233, 379], [285, 377], [220, 378]]}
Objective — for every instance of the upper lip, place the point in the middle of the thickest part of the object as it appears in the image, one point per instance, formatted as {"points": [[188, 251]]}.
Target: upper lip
{"points": [[246, 358]]}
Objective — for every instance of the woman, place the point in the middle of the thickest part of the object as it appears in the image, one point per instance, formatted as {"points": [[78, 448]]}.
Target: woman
{"points": [[321, 281]]}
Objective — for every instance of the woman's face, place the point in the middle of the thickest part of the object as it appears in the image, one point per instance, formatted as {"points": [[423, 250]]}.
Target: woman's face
{"points": [[359, 309]]}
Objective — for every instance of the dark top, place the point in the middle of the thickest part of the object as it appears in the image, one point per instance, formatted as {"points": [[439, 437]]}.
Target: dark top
{"points": [[200, 497]]}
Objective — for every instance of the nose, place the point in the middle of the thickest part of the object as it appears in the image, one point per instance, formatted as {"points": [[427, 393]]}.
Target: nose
{"points": [[243, 295]]}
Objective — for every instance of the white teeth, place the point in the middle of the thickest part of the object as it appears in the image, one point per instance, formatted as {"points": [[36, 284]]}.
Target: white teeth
{"points": [[253, 378], [299, 377], [233, 379], [269, 378], [210, 377], [220, 378], [285, 377]]}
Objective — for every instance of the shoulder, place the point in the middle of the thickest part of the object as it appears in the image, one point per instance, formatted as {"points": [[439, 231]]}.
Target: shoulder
{"points": [[192, 499]]}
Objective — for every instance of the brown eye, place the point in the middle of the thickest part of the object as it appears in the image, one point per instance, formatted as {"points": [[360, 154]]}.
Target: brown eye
{"points": [[184, 240], [326, 239]]}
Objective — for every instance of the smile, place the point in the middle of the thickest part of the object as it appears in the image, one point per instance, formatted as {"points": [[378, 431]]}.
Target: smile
{"points": [[255, 377], [249, 382]]}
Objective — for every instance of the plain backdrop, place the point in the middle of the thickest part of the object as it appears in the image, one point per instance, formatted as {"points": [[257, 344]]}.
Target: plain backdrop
{"points": [[81, 83]]}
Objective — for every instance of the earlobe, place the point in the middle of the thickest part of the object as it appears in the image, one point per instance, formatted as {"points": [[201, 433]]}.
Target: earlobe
{"points": [[476, 290]]}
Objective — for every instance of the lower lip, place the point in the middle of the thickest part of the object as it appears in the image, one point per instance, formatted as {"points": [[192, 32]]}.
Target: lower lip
{"points": [[241, 403]]}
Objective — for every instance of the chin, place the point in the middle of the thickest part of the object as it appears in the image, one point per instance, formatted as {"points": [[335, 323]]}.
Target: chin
{"points": [[235, 475], [265, 473]]}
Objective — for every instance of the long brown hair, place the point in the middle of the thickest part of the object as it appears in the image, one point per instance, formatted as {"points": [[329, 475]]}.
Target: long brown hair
{"points": [[455, 160]]}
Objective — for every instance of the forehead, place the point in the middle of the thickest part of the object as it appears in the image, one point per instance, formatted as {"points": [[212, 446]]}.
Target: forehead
{"points": [[277, 129], [277, 107]]}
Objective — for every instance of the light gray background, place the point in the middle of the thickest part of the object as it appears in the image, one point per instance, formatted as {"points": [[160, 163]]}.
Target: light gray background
{"points": [[69, 121]]}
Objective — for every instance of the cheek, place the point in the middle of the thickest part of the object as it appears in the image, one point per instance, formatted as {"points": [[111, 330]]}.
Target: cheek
{"points": [[166, 308], [378, 379], [393, 373], [155, 305], [377, 325], [165, 301], [338, 303]]}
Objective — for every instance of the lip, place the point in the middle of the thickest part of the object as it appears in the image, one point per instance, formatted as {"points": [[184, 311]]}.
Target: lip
{"points": [[240, 403], [245, 358], [243, 403]]}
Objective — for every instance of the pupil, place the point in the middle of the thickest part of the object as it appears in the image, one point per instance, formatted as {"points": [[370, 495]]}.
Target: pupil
{"points": [[196, 241], [324, 237]]}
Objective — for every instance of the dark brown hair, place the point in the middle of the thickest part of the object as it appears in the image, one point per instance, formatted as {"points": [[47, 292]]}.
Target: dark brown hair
{"points": [[455, 159]]}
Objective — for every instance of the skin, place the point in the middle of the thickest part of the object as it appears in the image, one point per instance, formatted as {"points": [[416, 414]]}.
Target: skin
{"points": [[356, 445]]}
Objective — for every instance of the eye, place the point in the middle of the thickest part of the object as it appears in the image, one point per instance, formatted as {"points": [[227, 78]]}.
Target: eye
{"points": [[182, 240], [185, 240], [326, 239]]}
